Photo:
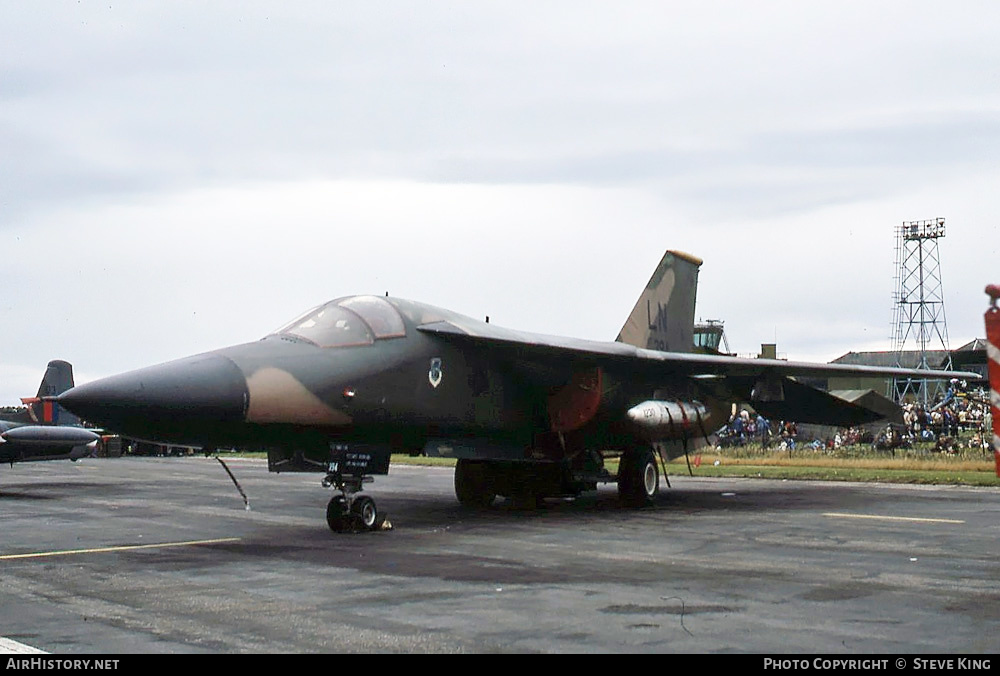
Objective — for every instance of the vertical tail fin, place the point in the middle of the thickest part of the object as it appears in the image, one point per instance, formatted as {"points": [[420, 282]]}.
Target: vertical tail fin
{"points": [[663, 317], [57, 379]]}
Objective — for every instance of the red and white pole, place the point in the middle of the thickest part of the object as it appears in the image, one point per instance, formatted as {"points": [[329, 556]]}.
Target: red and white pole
{"points": [[993, 365]]}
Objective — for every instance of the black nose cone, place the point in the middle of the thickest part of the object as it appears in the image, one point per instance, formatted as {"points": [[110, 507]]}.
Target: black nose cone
{"points": [[167, 401]]}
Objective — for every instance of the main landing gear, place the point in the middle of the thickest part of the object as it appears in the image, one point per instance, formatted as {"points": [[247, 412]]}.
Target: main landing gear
{"points": [[638, 477], [351, 511], [479, 482], [475, 484]]}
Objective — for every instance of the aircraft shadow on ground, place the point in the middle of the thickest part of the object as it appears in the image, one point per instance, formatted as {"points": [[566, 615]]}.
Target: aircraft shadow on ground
{"points": [[49, 490], [606, 505], [429, 535]]}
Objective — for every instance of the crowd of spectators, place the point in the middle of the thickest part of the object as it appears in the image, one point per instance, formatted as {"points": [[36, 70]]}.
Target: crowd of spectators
{"points": [[958, 413], [747, 427], [960, 418]]}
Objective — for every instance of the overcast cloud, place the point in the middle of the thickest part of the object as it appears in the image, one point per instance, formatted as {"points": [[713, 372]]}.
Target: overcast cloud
{"points": [[180, 176]]}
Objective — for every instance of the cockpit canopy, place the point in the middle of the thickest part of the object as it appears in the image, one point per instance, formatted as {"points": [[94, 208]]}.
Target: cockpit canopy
{"points": [[355, 320]]}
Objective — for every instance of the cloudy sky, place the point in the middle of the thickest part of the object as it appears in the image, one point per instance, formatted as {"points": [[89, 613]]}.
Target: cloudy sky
{"points": [[180, 176]]}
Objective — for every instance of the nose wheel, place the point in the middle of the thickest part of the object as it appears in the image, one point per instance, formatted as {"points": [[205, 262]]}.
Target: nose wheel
{"points": [[336, 514], [365, 514], [351, 511]]}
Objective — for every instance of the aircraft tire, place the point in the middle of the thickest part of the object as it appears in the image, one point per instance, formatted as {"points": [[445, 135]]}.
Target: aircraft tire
{"points": [[474, 485], [336, 514], [638, 478], [366, 514]]}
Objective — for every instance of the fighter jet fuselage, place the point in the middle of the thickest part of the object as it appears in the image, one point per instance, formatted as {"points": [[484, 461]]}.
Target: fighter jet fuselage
{"points": [[296, 392], [343, 386]]}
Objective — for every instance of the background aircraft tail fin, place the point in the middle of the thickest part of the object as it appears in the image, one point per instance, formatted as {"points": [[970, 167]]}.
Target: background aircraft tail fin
{"points": [[663, 317], [57, 379]]}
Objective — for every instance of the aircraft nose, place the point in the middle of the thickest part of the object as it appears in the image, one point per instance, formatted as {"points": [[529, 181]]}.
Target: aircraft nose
{"points": [[202, 390]]}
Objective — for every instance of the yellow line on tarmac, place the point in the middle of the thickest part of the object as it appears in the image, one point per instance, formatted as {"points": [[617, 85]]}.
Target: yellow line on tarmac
{"points": [[122, 548], [891, 518]]}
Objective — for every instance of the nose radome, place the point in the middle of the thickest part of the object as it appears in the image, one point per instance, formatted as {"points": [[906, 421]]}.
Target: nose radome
{"points": [[201, 389]]}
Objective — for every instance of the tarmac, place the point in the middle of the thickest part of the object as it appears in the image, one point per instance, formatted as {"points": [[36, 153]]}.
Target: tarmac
{"points": [[160, 555]]}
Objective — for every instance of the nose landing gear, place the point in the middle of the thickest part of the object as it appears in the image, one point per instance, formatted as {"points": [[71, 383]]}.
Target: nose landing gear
{"points": [[351, 511]]}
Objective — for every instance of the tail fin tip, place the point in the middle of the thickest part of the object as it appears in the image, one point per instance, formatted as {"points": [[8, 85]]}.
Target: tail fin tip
{"points": [[663, 317], [57, 379]]}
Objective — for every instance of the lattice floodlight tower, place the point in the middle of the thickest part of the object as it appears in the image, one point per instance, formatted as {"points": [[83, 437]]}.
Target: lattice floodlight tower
{"points": [[919, 324]]}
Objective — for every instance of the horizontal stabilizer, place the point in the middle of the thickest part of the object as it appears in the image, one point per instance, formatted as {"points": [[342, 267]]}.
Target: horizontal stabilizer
{"points": [[806, 404]]}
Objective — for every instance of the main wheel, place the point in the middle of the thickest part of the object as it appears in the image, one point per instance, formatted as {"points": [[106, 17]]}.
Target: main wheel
{"points": [[336, 514], [366, 514], [474, 485], [638, 478]]}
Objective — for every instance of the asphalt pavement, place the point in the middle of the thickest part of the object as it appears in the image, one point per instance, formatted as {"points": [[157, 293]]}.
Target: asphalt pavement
{"points": [[159, 555]]}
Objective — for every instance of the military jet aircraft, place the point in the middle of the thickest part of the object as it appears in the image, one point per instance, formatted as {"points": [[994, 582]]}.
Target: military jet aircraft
{"points": [[527, 416], [44, 432]]}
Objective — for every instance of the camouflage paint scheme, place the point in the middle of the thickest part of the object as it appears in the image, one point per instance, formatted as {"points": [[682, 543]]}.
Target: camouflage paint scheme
{"points": [[537, 413]]}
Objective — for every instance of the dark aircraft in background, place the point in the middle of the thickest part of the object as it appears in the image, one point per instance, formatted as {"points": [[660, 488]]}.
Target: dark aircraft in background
{"points": [[44, 431], [526, 415]]}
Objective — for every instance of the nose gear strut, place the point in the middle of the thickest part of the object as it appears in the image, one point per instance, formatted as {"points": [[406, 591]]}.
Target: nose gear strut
{"points": [[351, 510]]}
